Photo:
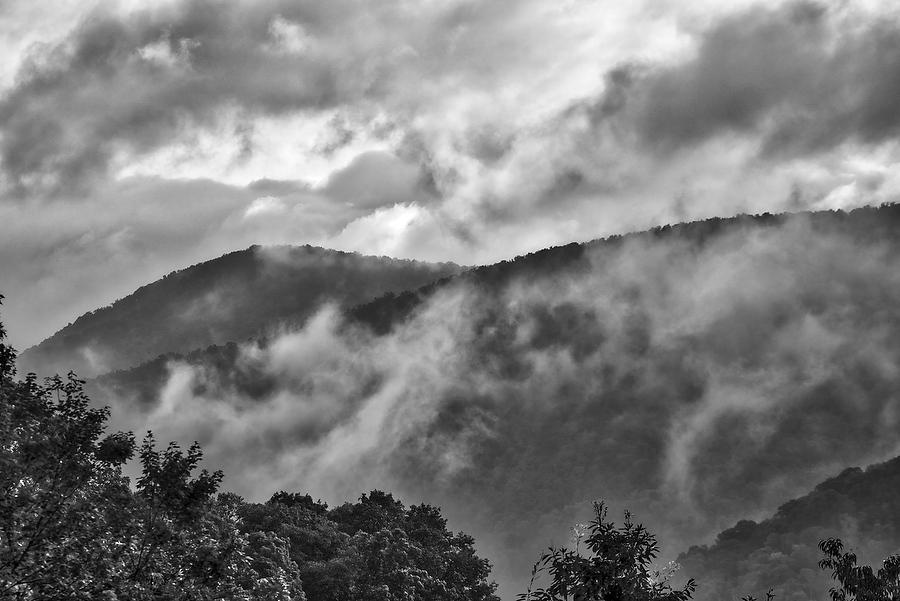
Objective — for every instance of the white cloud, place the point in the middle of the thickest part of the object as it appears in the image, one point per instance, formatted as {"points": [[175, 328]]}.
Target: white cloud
{"points": [[263, 205], [289, 37], [382, 232]]}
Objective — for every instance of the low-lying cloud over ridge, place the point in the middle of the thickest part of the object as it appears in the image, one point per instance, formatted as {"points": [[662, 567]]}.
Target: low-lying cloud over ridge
{"points": [[695, 375]]}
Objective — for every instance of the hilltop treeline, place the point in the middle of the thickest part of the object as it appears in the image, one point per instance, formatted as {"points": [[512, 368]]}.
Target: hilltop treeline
{"points": [[863, 224]]}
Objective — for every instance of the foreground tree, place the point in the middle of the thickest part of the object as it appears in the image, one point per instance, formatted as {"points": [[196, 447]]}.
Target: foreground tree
{"points": [[856, 582], [71, 527], [60, 487], [618, 567]]}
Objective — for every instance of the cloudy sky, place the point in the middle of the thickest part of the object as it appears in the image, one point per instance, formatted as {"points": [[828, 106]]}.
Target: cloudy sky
{"points": [[141, 137]]}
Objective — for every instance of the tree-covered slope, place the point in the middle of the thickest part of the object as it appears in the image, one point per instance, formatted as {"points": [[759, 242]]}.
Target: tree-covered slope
{"points": [[231, 298], [696, 374], [860, 506]]}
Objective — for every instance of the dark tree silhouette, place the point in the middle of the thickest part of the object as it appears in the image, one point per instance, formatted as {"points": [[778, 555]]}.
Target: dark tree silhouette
{"points": [[856, 582], [618, 567]]}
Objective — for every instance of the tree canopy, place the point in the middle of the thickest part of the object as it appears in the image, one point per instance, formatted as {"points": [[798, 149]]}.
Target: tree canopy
{"points": [[618, 566]]}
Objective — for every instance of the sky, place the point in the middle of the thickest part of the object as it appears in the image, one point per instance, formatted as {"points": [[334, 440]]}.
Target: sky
{"points": [[137, 138]]}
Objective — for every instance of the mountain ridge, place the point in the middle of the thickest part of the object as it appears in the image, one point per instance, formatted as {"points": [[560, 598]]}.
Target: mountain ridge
{"points": [[232, 297], [384, 311], [375, 312]]}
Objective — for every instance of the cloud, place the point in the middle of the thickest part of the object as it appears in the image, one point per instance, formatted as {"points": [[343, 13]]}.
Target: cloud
{"points": [[456, 131], [264, 205], [132, 82], [800, 78], [55, 265], [696, 376], [482, 96], [135, 83], [376, 179]]}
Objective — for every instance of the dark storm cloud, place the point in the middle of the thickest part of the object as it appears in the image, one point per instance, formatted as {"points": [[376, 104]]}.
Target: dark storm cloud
{"points": [[803, 78]]}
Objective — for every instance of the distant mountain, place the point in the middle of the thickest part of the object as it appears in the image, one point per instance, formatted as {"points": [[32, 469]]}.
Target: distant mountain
{"points": [[860, 507], [695, 374], [865, 225], [234, 297]]}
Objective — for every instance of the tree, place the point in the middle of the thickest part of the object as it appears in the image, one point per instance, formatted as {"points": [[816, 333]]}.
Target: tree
{"points": [[374, 512], [856, 582], [72, 528], [375, 549], [617, 569], [60, 487], [321, 551]]}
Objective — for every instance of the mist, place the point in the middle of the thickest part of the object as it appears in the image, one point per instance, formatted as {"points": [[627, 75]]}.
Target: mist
{"points": [[692, 380]]}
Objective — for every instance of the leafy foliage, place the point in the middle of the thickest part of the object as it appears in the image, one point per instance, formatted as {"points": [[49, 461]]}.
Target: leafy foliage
{"points": [[617, 569], [769, 596], [860, 583], [58, 494], [375, 549], [71, 527]]}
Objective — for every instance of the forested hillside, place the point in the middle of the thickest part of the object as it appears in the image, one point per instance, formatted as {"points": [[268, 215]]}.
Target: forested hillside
{"points": [[234, 297], [392, 308], [73, 526], [882, 223], [668, 371], [860, 506]]}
